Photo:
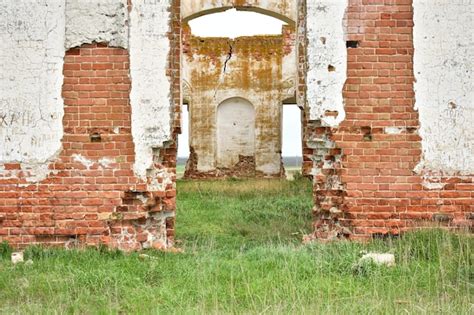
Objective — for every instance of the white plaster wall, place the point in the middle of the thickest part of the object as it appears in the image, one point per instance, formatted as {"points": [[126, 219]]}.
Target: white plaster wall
{"points": [[235, 131], [96, 20], [326, 48], [31, 64], [443, 63], [150, 95]]}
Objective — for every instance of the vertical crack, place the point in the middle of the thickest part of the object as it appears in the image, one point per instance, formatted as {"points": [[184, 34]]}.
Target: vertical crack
{"points": [[224, 70], [229, 56]]}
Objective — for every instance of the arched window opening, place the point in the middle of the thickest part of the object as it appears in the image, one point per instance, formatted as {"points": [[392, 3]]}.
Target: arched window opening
{"points": [[233, 24]]}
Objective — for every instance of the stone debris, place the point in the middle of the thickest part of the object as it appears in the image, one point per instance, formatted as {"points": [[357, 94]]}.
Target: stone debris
{"points": [[379, 259], [145, 257], [17, 257]]}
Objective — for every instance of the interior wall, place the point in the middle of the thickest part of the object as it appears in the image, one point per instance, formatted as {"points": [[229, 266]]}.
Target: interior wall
{"points": [[216, 69]]}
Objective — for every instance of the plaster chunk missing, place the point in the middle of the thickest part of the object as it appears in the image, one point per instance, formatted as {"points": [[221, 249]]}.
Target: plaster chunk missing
{"points": [[88, 163], [395, 130], [327, 60]]}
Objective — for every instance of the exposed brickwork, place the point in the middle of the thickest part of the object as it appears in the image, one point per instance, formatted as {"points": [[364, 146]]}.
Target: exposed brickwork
{"points": [[377, 190], [92, 195], [363, 170]]}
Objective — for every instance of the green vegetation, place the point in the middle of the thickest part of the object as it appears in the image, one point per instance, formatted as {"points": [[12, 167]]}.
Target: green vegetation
{"points": [[243, 254]]}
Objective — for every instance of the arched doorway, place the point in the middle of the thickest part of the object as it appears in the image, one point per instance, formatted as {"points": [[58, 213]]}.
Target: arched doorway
{"points": [[235, 131]]}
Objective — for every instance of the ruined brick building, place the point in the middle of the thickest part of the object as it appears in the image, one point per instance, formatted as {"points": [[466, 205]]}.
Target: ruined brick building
{"points": [[91, 94]]}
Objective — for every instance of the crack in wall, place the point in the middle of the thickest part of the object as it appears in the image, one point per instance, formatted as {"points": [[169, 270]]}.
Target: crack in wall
{"points": [[229, 57], [224, 69]]}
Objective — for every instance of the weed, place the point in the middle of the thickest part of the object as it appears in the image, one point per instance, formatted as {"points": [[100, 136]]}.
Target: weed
{"points": [[243, 254]]}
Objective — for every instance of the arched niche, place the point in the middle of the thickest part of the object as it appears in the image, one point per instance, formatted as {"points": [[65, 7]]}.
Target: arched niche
{"points": [[235, 131]]}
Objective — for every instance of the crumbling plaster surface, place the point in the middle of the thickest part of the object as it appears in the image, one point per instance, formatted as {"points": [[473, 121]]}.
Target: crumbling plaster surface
{"points": [[284, 9], [252, 71], [31, 61], [150, 95], [444, 89], [90, 21], [327, 60]]}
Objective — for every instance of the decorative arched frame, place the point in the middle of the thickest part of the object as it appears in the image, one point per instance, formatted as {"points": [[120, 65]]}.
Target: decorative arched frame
{"points": [[241, 113]]}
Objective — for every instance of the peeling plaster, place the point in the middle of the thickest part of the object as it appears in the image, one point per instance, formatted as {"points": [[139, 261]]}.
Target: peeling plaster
{"points": [[31, 107], [428, 184], [90, 21], [395, 130], [106, 162], [150, 95], [34, 173], [88, 163], [160, 180], [444, 89], [327, 60], [83, 160]]}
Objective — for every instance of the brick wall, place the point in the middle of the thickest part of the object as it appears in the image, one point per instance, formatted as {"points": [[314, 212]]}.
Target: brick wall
{"points": [[92, 195], [367, 183], [364, 183]]}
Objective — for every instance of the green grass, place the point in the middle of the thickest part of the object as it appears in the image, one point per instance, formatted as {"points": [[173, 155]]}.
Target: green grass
{"points": [[180, 169], [243, 254]]}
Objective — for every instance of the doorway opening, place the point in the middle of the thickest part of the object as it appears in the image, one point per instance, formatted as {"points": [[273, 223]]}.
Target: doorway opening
{"points": [[235, 55], [241, 128], [291, 140], [183, 141]]}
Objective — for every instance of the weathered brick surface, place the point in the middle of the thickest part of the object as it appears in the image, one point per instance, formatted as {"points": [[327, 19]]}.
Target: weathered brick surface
{"points": [[367, 183], [93, 196]]}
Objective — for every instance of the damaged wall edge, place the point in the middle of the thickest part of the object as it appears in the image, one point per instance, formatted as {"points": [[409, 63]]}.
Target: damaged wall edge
{"points": [[151, 94], [324, 80]]}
